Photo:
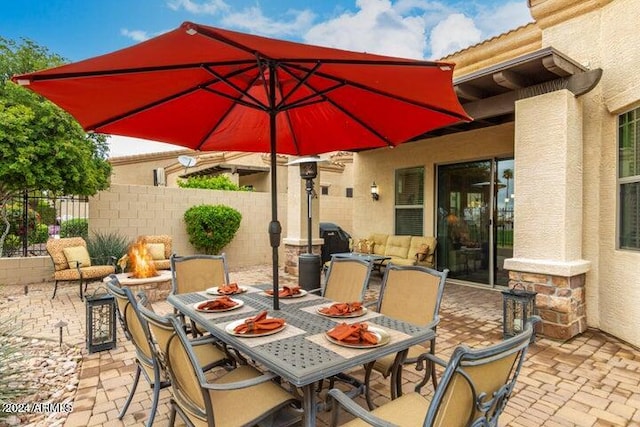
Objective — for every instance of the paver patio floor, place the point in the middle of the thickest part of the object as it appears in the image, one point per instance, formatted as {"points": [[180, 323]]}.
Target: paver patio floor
{"points": [[591, 380]]}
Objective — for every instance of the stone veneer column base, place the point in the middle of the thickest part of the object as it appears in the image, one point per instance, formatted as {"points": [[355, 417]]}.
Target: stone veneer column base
{"points": [[292, 252], [560, 302]]}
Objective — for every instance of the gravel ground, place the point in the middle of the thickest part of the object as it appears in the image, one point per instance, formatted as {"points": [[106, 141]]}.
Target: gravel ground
{"points": [[49, 371]]}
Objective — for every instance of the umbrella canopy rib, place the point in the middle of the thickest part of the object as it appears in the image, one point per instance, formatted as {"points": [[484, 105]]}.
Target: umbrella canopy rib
{"points": [[371, 89], [301, 81], [241, 92], [150, 105]]}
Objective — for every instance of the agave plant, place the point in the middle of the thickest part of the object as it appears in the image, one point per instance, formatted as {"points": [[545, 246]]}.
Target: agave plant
{"points": [[13, 366], [104, 246]]}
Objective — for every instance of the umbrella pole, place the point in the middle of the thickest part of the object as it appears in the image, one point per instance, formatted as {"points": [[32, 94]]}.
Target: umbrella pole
{"points": [[275, 229]]}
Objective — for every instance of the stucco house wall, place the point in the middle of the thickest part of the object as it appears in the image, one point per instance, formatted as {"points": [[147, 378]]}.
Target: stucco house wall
{"points": [[379, 165], [597, 34]]}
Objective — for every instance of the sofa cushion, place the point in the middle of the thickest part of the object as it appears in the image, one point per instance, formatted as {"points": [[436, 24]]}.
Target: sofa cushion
{"points": [[379, 243], [77, 254], [397, 246]]}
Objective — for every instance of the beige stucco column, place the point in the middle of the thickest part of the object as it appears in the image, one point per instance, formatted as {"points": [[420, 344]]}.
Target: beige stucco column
{"points": [[548, 210], [295, 242]]}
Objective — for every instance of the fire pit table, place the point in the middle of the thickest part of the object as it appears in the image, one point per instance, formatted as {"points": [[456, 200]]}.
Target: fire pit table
{"points": [[156, 288]]}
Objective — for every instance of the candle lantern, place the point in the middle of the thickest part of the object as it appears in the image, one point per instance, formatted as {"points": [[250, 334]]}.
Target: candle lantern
{"points": [[101, 322], [519, 306]]}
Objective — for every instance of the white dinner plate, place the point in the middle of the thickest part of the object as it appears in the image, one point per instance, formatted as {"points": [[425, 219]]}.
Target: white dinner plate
{"points": [[298, 295], [358, 313], [214, 291], [231, 326], [239, 303], [381, 334]]}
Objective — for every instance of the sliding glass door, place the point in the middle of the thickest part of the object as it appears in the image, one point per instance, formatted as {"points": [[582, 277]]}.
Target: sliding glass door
{"points": [[475, 219]]}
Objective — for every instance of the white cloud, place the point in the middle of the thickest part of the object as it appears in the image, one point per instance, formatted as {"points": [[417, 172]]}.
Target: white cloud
{"points": [[136, 35], [375, 28], [125, 146], [210, 7], [252, 19], [503, 18], [452, 34]]}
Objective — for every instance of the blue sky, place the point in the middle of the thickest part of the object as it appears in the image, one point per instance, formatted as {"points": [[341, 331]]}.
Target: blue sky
{"points": [[424, 29]]}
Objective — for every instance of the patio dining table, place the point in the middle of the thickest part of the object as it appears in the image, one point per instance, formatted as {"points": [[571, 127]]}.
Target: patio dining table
{"points": [[300, 353]]}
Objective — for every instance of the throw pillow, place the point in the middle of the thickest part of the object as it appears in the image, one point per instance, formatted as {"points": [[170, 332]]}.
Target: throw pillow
{"points": [[423, 251], [156, 250], [77, 254], [364, 246]]}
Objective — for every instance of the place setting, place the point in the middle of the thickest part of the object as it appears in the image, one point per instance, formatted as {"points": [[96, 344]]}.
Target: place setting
{"points": [[227, 289], [217, 305], [360, 335], [261, 328], [287, 292]]}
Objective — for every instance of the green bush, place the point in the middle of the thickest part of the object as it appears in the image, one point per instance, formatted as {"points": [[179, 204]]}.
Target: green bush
{"points": [[40, 234], [103, 246], [12, 245], [78, 227], [47, 212], [218, 182], [16, 220], [211, 227]]}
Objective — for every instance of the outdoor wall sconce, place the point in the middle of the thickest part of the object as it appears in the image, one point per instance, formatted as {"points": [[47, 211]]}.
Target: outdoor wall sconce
{"points": [[101, 322], [374, 191], [519, 306]]}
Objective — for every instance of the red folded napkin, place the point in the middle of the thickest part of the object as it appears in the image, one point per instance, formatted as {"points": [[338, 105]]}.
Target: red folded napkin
{"points": [[356, 333], [342, 308], [218, 304], [229, 289], [258, 324], [286, 291]]}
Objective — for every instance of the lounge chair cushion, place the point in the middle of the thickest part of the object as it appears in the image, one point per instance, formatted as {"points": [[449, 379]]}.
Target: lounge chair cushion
{"points": [[77, 255]]}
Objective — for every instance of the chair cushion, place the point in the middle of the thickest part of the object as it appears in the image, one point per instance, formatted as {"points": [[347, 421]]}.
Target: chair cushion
{"points": [[156, 250], [162, 264], [407, 410], [77, 254]]}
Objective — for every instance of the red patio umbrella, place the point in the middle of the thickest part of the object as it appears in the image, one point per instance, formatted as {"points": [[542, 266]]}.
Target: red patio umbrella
{"points": [[214, 90]]}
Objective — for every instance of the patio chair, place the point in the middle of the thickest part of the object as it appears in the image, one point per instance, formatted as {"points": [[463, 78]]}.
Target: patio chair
{"points": [[474, 389], [72, 262], [197, 273], [160, 247], [147, 361], [243, 396], [347, 279], [412, 294]]}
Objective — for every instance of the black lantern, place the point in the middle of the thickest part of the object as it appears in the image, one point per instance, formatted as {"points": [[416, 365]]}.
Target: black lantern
{"points": [[519, 305], [101, 322]]}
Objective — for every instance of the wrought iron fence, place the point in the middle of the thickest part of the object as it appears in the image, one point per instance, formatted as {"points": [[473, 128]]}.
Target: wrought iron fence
{"points": [[35, 217]]}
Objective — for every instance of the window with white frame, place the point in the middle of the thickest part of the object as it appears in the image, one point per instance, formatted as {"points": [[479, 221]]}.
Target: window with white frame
{"points": [[409, 201], [629, 179]]}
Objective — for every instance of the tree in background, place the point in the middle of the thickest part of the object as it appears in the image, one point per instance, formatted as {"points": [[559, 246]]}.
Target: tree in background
{"points": [[218, 182], [41, 146]]}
